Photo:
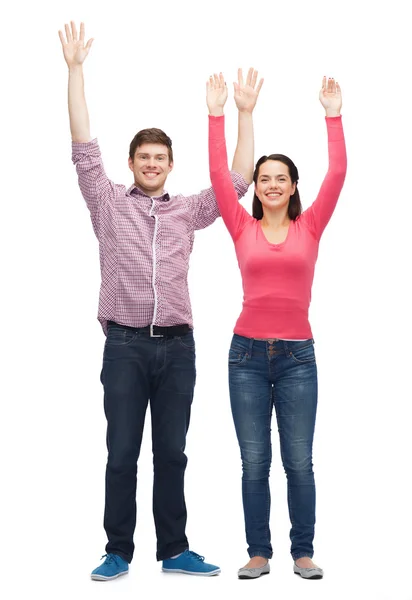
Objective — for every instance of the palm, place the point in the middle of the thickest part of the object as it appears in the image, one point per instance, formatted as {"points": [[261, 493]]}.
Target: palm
{"points": [[216, 92], [246, 95], [330, 95], [74, 50]]}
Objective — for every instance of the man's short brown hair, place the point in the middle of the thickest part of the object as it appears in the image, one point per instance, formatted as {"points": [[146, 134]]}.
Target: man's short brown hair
{"points": [[151, 136]]}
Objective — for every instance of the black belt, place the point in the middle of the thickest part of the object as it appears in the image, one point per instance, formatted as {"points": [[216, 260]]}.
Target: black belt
{"points": [[156, 330]]}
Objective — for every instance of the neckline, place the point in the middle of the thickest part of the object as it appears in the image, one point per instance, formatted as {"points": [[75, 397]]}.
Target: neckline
{"points": [[135, 191], [280, 244]]}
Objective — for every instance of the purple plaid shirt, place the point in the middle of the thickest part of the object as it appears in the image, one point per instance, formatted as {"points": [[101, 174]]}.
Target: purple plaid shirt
{"points": [[145, 244]]}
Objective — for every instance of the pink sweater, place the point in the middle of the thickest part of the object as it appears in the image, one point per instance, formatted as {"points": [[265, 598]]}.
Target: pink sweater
{"points": [[277, 278]]}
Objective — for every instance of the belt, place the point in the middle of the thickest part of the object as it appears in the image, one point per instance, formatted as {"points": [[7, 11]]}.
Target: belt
{"points": [[156, 330]]}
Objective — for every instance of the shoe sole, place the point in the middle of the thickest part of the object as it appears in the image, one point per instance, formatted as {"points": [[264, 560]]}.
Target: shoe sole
{"points": [[257, 577], [216, 572], [103, 578], [313, 577]]}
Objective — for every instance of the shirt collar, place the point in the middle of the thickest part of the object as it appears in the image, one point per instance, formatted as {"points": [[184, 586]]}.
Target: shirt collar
{"points": [[135, 191]]}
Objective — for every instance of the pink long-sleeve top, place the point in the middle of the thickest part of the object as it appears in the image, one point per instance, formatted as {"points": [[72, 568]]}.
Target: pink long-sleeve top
{"points": [[277, 278]]}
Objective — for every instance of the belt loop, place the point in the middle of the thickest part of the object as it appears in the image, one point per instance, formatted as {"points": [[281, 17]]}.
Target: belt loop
{"points": [[286, 347], [153, 334]]}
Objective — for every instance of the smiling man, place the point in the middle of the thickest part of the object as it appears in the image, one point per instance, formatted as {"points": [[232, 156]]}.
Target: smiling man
{"points": [[145, 240], [151, 160]]}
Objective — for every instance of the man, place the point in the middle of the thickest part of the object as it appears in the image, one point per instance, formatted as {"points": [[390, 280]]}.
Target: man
{"points": [[145, 240]]}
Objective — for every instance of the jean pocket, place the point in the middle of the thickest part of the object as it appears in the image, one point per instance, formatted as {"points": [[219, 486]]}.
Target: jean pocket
{"points": [[120, 337], [187, 341], [237, 357], [303, 354]]}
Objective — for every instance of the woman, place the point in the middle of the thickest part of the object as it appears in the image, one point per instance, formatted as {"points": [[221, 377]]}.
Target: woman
{"points": [[272, 359]]}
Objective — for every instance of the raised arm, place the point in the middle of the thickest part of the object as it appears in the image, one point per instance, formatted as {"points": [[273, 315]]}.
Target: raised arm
{"points": [[322, 209], [233, 214], [246, 96], [96, 187], [75, 52]]}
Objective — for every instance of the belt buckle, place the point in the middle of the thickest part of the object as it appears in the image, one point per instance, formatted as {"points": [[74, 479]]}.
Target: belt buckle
{"points": [[154, 334]]}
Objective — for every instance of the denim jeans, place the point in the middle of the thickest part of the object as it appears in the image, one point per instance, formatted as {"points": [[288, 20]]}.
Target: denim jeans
{"points": [[283, 374], [138, 369]]}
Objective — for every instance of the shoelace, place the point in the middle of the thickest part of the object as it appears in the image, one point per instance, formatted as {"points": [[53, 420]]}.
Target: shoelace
{"points": [[109, 558], [195, 556]]}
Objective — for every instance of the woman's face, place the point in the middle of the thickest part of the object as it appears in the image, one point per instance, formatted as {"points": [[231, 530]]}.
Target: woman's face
{"points": [[274, 186]]}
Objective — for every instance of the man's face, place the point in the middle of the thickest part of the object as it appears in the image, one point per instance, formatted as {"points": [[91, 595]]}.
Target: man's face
{"points": [[150, 168]]}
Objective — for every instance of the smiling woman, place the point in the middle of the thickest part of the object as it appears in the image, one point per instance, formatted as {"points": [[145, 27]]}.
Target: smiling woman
{"points": [[276, 249], [276, 178]]}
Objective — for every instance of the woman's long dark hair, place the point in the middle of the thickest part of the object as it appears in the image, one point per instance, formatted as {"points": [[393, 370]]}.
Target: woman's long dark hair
{"points": [[295, 206]]}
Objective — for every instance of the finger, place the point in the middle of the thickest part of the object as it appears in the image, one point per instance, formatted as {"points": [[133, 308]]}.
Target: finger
{"points": [[74, 30], [68, 34], [211, 83], [240, 77], [217, 82], [89, 44], [254, 78], [324, 83], [338, 90], [259, 87], [62, 38], [222, 81], [82, 32], [330, 84], [249, 76], [236, 86]]}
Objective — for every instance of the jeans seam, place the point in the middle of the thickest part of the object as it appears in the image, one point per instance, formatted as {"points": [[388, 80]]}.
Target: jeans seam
{"points": [[262, 553], [297, 555]]}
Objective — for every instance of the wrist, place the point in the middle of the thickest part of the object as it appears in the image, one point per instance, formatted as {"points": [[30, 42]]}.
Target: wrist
{"points": [[245, 115], [216, 112], [74, 69], [332, 113]]}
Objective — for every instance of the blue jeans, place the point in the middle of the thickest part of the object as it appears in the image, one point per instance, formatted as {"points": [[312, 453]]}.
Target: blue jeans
{"points": [[282, 374], [137, 369]]}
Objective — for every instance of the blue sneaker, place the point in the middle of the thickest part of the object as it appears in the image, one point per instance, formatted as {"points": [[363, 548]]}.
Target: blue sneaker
{"points": [[113, 567], [189, 563]]}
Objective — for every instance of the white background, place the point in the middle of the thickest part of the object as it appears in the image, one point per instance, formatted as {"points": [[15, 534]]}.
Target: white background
{"points": [[148, 67]]}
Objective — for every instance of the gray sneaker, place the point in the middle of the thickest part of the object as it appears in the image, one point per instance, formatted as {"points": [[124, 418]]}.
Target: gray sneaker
{"points": [[253, 573], [312, 573]]}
